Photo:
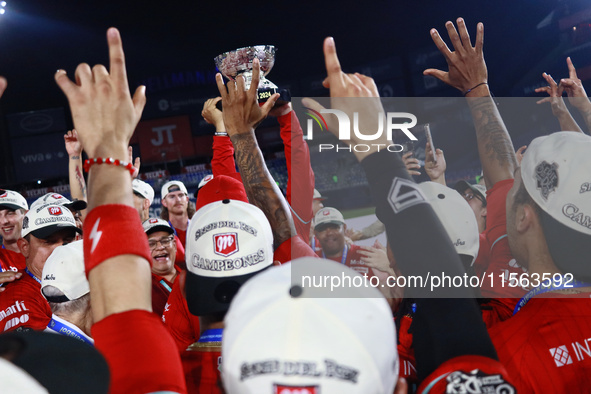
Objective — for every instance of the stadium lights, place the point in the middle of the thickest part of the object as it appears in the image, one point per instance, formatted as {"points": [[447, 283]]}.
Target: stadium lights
{"points": [[2, 7]]}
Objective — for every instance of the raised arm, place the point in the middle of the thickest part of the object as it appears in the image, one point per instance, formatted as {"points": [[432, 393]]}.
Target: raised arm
{"points": [[467, 73], [242, 115], [75, 175], [222, 162], [559, 109], [573, 86], [126, 332]]}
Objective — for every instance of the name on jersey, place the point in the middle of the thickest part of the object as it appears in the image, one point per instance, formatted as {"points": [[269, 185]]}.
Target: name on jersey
{"points": [[200, 262], [330, 369], [224, 224], [19, 306]]}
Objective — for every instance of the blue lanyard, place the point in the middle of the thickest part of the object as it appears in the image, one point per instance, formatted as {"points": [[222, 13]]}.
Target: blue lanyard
{"points": [[165, 285], [62, 329], [345, 252], [545, 289], [32, 276], [212, 335], [313, 243], [174, 229]]}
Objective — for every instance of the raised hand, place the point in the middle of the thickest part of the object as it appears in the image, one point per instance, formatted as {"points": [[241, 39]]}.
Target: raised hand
{"points": [[104, 112], [211, 114], [242, 113], [435, 169], [3, 84], [73, 145], [412, 164], [574, 88], [467, 68], [136, 163]]}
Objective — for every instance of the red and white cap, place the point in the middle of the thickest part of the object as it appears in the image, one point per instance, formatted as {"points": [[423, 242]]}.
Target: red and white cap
{"points": [[317, 195], [173, 186], [154, 224], [64, 270], [12, 200], [228, 242], [555, 172], [143, 189], [206, 179], [456, 216], [282, 335], [45, 220], [58, 199], [328, 215]]}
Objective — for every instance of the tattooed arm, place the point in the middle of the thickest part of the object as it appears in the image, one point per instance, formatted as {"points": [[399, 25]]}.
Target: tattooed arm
{"points": [[76, 176], [241, 115], [468, 73]]}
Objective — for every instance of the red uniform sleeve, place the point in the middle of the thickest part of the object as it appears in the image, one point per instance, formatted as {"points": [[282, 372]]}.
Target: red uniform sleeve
{"points": [[292, 249], [23, 306], [468, 374], [179, 322], [222, 162], [300, 184], [11, 261], [140, 353]]}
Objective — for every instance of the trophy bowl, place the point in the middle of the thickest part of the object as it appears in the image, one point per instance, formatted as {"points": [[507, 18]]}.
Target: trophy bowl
{"points": [[239, 62]]}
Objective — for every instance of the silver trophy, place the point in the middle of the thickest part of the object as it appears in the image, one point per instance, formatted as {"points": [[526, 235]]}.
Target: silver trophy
{"points": [[239, 62]]}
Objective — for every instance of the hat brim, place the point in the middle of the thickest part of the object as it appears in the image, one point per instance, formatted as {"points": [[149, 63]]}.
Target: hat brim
{"points": [[210, 295], [570, 249], [47, 231], [460, 186], [77, 205], [11, 206], [45, 356], [160, 227], [329, 222]]}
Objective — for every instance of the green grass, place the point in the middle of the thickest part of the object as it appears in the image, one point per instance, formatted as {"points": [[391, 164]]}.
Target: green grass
{"points": [[358, 212]]}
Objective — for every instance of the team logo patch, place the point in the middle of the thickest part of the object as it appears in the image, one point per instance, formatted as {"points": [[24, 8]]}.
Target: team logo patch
{"points": [[55, 211], [225, 244], [152, 221], [283, 389], [561, 356], [57, 196], [25, 222], [547, 178], [5, 194], [326, 213], [460, 382]]}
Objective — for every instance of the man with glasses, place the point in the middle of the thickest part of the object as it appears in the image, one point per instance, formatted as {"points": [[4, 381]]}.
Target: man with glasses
{"points": [[475, 195], [163, 251]]}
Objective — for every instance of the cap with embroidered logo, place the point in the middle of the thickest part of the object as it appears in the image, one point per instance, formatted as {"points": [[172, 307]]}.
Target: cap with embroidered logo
{"points": [[153, 224], [44, 220], [64, 270], [58, 199], [12, 200]]}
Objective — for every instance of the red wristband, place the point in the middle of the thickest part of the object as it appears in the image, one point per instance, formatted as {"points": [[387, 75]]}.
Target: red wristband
{"points": [[113, 230]]}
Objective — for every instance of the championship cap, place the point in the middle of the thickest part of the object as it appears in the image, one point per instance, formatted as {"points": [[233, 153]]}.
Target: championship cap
{"points": [[173, 186], [143, 189], [312, 343], [555, 173], [64, 270], [44, 220], [456, 216], [328, 215], [45, 356], [12, 200], [58, 199], [228, 242], [220, 187], [317, 195], [153, 224], [478, 190], [204, 181]]}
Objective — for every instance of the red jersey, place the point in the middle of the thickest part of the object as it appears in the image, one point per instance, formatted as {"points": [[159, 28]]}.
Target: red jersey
{"points": [[161, 289], [180, 253], [201, 364], [351, 258], [11, 261], [23, 306], [180, 323], [546, 346], [182, 237]]}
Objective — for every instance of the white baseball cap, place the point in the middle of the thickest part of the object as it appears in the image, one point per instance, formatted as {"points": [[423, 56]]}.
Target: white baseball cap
{"points": [[143, 189], [12, 200], [154, 224], [280, 335], [317, 195], [456, 216], [328, 215], [555, 171], [204, 181], [58, 199], [64, 270], [16, 380], [173, 186], [45, 220], [228, 242]]}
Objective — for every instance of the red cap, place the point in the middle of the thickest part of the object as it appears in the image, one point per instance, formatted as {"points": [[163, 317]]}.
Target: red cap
{"points": [[221, 187]]}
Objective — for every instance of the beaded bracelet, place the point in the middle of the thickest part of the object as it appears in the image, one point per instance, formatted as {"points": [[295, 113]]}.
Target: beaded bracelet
{"points": [[109, 160]]}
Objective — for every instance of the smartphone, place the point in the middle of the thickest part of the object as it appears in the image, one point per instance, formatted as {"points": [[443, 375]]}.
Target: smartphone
{"points": [[430, 141]]}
